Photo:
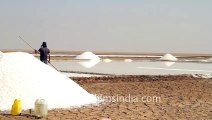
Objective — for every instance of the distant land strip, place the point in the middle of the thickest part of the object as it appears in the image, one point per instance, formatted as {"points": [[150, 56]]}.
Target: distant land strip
{"points": [[114, 53]]}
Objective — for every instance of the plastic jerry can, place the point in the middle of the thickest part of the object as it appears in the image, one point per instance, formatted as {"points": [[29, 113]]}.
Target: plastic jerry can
{"points": [[16, 107], [41, 108]]}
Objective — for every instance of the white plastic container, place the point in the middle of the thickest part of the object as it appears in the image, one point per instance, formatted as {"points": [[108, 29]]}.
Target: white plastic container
{"points": [[41, 108]]}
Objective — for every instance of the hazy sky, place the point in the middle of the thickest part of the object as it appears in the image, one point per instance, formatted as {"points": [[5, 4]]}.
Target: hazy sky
{"points": [[108, 25]]}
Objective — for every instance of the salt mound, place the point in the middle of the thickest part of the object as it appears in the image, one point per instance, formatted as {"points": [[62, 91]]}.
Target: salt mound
{"points": [[107, 60], [24, 77], [168, 57], [209, 60], [88, 55], [128, 60]]}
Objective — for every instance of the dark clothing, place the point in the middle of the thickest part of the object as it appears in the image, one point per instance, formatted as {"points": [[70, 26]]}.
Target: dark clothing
{"points": [[44, 51]]}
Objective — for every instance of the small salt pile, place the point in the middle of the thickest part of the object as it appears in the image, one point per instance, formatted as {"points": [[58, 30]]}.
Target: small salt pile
{"points": [[209, 60], [24, 77], [168, 57], [91, 57], [107, 60], [87, 55], [128, 60]]}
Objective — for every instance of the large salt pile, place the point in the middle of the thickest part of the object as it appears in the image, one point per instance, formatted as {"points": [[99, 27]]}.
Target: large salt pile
{"points": [[168, 57], [88, 55], [24, 77]]}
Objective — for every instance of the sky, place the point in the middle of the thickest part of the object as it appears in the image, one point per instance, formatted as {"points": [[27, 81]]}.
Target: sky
{"points": [[168, 26]]}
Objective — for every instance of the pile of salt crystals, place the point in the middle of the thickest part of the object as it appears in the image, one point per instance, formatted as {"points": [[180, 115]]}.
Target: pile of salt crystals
{"points": [[209, 60], [24, 77], [169, 57], [88, 55]]}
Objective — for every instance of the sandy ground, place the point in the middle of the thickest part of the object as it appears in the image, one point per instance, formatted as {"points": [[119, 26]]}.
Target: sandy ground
{"points": [[178, 97]]}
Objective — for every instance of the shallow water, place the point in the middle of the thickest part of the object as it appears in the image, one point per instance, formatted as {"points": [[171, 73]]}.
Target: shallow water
{"points": [[135, 67]]}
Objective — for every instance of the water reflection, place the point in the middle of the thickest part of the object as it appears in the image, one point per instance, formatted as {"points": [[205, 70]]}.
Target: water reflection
{"points": [[135, 67], [89, 63], [168, 64]]}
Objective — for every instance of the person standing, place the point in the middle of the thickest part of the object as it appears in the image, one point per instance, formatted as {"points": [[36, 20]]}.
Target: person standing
{"points": [[44, 53]]}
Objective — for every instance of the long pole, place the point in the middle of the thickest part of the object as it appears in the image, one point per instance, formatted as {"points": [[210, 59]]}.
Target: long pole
{"points": [[25, 42], [34, 49], [53, 66]]}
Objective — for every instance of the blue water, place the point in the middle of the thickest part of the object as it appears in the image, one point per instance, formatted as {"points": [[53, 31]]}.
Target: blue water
{"points": [[135, 67]]}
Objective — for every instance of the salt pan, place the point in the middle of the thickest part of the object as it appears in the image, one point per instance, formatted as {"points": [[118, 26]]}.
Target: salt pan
{"points": [[24, 77]]}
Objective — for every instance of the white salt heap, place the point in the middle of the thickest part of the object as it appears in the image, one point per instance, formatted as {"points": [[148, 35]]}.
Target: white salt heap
{"points": [[24, 77], [209, 60], [168, 57], [107, 60], [128, 60], [88, 55]]}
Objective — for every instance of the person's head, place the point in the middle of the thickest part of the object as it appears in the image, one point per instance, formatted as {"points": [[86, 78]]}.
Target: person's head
{"points": [[44, 44]]}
